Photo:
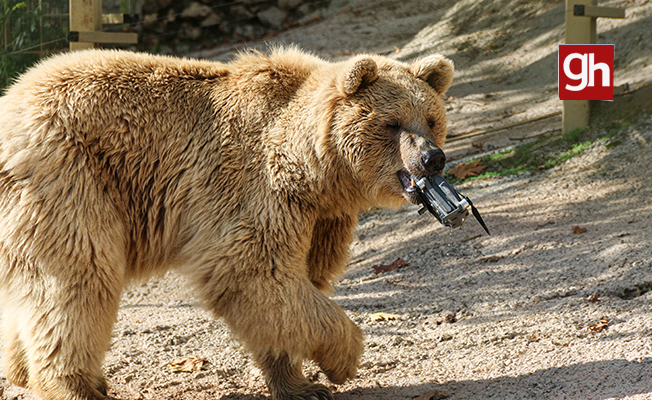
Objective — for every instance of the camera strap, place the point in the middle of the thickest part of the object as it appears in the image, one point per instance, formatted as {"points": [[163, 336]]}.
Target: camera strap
{"points": [[477, 215]]}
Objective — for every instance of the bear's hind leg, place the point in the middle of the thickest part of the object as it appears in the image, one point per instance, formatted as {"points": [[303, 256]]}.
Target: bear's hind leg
{"points": [[64, 328], [14, 360], [67, 344], [69, 334]]}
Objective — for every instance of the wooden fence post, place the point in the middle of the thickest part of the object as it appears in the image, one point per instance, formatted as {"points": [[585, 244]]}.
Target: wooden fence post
{"points": [[580, 28], [85, 16], [86, 21]]}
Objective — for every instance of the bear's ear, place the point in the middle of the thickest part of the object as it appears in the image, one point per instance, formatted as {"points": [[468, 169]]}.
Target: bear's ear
{"points": [[362, 71], [437, 70]]}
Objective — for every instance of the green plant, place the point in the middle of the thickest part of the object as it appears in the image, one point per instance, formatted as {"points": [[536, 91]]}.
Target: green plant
{"points": [[574, 135], [540, 154], [27, 35]]}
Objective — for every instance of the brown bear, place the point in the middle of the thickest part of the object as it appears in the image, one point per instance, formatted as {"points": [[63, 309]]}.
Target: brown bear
{"points": [[248, 176]]}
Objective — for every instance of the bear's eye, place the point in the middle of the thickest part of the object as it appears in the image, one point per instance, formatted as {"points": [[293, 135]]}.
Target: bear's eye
{"points": [[431, 123], [394, 125]]}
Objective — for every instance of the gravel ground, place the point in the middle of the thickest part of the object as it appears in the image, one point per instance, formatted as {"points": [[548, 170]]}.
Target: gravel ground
{"points": [[533, 311]]}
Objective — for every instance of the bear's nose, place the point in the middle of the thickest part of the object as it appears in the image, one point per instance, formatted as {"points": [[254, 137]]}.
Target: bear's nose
{"points": [[433, 160]]}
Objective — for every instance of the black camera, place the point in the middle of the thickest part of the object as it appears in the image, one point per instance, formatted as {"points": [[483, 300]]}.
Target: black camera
{"points": [[445, 203]]}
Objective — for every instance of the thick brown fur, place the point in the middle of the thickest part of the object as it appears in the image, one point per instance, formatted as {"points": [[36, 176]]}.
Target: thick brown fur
{"points": [[248, 176]]}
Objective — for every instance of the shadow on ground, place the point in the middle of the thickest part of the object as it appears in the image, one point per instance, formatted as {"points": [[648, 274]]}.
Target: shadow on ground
{"points": [[588, 381], [593, 380]]}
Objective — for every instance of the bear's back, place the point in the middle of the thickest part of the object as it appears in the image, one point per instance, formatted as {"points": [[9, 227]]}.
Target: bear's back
{"points": [[144, 134]]}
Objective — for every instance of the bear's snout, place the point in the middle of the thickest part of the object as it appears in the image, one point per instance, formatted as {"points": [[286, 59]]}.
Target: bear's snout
{"points": [[421, 157], [433, 160]]}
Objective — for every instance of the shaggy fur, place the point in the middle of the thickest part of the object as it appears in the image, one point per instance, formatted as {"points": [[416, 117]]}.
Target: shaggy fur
{"points": [[248, 176]]}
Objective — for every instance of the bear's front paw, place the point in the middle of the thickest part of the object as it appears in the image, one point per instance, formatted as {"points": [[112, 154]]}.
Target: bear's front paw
{"points": [[312, 391], [339, 358], [341, 374]]}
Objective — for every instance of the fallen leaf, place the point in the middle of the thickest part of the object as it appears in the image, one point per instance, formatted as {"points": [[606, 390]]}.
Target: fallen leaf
{"points": [[478, 145], [533, 338], [391, 267], [187, 364], [433, 395], [600, 326], [463, 171], [577, 230], [594, 297], [381, 316]]}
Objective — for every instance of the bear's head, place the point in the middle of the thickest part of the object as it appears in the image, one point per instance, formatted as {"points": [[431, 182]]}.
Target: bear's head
{"points": [[389, 124]]}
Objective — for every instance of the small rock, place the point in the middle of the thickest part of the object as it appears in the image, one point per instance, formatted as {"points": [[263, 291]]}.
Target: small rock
{"points": [[172, 16], [196, 10], [150, 20], [240, 12], [211, 20], [226, 28], [189, 32], [445, 337], [246, 31], [272, 17], [163, 3]]}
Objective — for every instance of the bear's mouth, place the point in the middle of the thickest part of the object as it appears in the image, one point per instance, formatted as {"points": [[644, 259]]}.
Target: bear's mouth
{"points": [[408, 182]]}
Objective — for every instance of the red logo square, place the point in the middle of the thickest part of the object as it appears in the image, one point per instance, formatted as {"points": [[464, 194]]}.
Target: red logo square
{"points": [[586, 71]]}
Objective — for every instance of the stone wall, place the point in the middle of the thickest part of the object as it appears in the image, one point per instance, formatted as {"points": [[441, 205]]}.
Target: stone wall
{"points": [[204, 23]]}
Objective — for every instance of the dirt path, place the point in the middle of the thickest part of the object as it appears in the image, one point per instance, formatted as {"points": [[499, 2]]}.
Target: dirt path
{"points": [[534, 311]]}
